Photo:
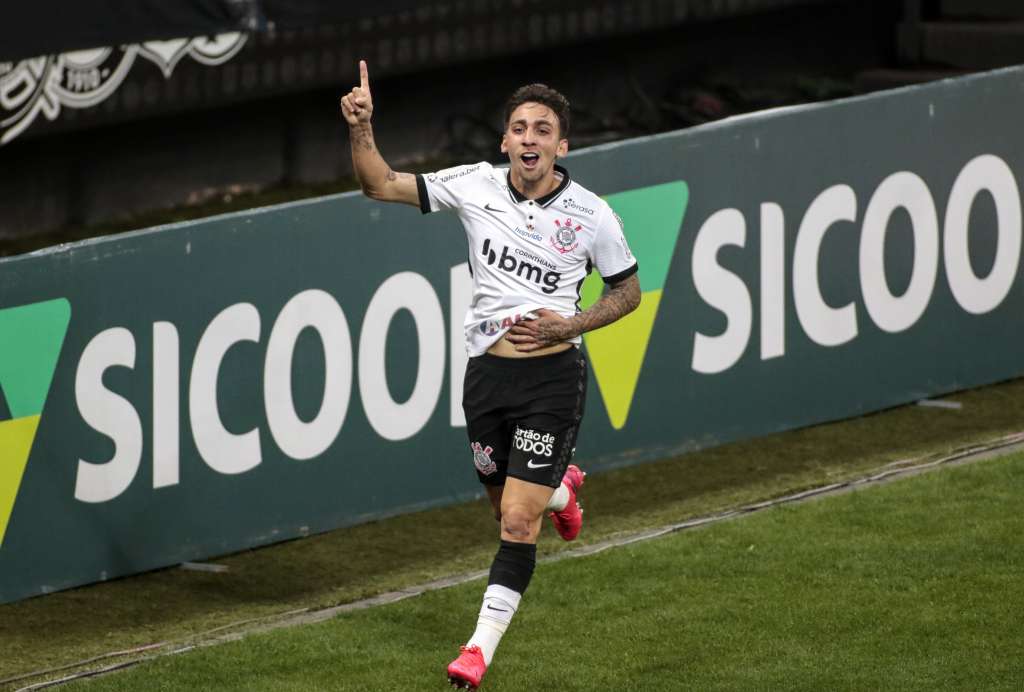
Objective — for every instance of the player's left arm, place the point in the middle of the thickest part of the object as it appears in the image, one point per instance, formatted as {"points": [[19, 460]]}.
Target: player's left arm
{"points": [[618, 301], [550, 328]]}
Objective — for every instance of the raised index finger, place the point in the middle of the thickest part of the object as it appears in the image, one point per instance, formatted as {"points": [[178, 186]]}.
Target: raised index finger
{"points": [[364, 76]]}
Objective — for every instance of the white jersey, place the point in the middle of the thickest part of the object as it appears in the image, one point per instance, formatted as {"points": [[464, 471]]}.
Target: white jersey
{"points": [[526, 254]]}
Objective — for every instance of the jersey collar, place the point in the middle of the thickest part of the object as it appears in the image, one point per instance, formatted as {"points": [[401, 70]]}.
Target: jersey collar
{"points": [[547, 199]]}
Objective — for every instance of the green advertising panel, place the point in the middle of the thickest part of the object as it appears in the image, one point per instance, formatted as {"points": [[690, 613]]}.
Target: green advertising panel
{"points": [[196, 389]]}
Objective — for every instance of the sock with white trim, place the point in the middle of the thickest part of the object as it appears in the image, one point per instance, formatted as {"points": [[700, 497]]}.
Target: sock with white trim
{"points": [[500, 604], [510, 575]]}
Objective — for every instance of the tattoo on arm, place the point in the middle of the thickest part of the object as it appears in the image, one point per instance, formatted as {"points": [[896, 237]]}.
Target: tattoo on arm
{"points": [[392, 176], [620, 300], [362, 137], [375, 176]]}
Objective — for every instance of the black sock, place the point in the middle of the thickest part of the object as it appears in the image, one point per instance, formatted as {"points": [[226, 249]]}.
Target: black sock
{"points": [[513, 565]]}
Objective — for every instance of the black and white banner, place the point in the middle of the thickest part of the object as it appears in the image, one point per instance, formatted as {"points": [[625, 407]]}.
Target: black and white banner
{"points": [[48, 27], [82, 79]]}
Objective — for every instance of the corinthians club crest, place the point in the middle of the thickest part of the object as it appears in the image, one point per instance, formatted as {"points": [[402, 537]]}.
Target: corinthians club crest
{"points": [[482, 459], [83, 79], [564, 237]]}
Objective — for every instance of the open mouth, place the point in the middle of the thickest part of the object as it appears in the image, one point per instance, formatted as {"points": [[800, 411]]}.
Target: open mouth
{"points": [[530, 159]]}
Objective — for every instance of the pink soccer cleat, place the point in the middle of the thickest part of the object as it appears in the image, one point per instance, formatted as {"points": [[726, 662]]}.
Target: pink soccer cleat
{"points": [[569, 521], [466, 672]]}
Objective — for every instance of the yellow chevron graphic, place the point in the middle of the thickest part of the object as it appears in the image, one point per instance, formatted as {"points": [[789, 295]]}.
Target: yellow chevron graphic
{"points": [[616, 353], [16, 437], [31, 338]]}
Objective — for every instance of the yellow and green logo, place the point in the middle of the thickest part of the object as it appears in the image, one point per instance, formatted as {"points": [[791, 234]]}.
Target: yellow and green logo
{"points": [[31, 337], [652, 217]]}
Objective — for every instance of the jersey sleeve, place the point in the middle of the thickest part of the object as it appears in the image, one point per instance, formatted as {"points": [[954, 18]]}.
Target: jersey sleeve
{"points": [[447, 188], [610, 253]]}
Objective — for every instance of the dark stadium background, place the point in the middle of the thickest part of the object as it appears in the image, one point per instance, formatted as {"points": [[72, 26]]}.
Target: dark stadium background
{"points": [[264, 127]]}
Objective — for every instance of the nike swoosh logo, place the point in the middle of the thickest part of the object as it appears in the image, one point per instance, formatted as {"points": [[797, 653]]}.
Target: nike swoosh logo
{"points": [[500, 610], [488, 207], [531, 465]]}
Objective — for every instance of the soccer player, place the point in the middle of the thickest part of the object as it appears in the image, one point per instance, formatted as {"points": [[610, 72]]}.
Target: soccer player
{"points": [[534, 234]]}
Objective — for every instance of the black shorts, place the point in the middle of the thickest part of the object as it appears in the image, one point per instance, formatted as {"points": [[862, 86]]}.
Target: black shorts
{"points": [[522, 415]]}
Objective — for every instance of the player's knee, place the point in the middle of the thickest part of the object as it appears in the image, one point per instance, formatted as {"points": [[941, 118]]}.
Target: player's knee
{"points": [[518, 523]]}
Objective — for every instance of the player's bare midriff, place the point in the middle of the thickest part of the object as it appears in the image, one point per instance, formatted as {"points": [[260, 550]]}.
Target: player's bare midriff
{"points": [[506, 349]]}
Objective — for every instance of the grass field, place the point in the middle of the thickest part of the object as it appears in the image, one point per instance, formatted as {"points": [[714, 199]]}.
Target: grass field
{"points": [[178, 607], [915, 585]]}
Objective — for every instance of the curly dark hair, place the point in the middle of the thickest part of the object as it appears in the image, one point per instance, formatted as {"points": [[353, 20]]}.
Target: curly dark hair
{"points": [[542, 94]]}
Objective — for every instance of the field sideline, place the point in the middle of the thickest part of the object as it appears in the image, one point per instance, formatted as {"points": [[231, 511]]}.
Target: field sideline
{"points": [[179, 608], [904, 586]]}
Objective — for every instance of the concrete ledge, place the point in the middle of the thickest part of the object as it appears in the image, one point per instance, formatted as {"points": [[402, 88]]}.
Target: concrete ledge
{"points": [[877, 80]]}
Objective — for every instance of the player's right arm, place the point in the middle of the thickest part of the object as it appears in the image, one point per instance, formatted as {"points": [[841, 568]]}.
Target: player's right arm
{"points": [[375, 177]]}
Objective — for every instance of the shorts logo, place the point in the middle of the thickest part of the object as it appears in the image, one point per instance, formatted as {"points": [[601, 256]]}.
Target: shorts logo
{"points": [[482, 459], [533, 442], [564, 239]]}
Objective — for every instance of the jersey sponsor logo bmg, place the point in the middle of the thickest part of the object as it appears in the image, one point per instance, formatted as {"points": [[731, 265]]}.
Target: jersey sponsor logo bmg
{"points": [[523, 265]]}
